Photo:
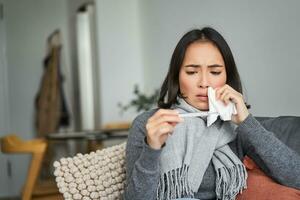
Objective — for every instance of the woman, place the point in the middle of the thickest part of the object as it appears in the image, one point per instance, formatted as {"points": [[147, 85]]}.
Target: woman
{"points": [[168, 157]]}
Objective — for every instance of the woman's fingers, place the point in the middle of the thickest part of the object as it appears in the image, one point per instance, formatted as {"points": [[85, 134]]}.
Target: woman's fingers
{"points": [[162, 118], [162, 112], [172, 119], [160, 125], [164, 128], [164, 115], [220, 92], [232, 97], [153, 126], [227, 94]]}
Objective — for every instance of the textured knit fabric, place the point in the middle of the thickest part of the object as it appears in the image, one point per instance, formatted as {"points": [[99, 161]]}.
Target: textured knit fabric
{"points": [[182, 168], [143, 163], [96, 175]]}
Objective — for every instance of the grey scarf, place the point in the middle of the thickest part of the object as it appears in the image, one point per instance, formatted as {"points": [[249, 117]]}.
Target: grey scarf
{"points": [[188, 152]]}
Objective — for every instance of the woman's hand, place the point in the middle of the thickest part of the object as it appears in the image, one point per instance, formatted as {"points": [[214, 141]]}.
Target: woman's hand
{"points": [[160, 125], [228, 94]]}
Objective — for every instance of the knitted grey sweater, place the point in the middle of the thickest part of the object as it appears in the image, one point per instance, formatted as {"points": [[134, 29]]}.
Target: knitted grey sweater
{"points": [[271, 155]]}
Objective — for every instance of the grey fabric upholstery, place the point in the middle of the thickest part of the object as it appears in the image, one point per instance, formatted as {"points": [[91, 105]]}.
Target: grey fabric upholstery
{"points": [[286, 128]]}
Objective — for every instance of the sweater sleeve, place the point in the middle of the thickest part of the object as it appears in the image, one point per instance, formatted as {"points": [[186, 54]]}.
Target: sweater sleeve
{"points": [[275, 158], [142, 164]]}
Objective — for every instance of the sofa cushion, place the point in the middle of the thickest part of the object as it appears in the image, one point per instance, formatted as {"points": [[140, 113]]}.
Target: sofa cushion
{"points": [[97, 175], [260, 186]]}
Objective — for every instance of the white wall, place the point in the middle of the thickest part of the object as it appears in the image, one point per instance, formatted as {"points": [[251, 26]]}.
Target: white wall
{"points": [[263, 35], [120, 56], [28, 24], [4, 108]]}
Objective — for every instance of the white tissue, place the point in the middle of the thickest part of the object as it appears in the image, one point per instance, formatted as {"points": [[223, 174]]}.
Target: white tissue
{"points": [[218, 108]]}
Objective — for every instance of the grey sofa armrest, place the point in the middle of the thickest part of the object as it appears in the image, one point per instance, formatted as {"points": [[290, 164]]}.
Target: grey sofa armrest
{"points": [[286, 128]]}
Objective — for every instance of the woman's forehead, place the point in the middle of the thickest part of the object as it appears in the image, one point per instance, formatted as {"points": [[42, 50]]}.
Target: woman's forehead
{"points": [[203, 53]]}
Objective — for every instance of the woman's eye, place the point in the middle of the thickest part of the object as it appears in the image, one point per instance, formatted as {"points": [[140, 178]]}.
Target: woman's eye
{"points": [[215, 73], [191, 72]]}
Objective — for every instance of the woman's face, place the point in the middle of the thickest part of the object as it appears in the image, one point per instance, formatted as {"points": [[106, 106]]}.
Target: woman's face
{"points": [[203, 66]]}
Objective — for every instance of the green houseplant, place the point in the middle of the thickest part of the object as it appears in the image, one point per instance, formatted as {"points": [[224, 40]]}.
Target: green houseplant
{"points": [[141, 102]]}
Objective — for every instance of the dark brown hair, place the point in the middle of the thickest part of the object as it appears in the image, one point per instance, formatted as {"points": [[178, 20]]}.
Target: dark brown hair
{"points": [[170, 87]]}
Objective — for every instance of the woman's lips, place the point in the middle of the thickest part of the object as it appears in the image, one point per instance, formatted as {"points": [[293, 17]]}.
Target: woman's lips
{"points": [[202, 97]]}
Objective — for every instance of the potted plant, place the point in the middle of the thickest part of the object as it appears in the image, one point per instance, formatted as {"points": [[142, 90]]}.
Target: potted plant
{"points": [[141, 102]]}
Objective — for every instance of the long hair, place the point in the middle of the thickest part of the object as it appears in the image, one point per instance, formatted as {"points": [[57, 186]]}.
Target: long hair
{"points": [[170, 87]]}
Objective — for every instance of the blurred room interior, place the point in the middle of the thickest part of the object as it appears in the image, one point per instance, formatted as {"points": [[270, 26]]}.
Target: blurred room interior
{"points": [[69, 68]]}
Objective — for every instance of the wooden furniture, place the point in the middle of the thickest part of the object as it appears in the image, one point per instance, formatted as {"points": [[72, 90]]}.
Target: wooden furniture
{"points": [[37, 147], [116, 125], [94, 138]]}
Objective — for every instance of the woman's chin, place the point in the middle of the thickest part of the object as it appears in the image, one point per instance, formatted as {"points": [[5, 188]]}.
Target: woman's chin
{"points": [[203, 109], [202, 106]]}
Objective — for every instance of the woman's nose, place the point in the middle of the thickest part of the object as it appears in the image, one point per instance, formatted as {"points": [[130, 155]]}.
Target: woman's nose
{"points": [[202, 81]]}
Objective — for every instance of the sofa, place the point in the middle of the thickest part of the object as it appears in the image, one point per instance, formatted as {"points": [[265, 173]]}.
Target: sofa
{"points": [[260, 186], [101, 174]]}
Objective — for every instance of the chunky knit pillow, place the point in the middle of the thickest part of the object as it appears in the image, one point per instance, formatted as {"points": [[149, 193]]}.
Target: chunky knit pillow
{"points": [[97, 175]]}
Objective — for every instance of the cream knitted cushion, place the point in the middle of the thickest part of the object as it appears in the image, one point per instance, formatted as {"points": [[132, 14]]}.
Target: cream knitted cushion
{"points": [[97, 175]]}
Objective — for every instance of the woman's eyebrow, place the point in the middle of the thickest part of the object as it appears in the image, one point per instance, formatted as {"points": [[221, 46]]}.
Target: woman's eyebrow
{"points": [[192, 65], [215, 65], [209, 66]]}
